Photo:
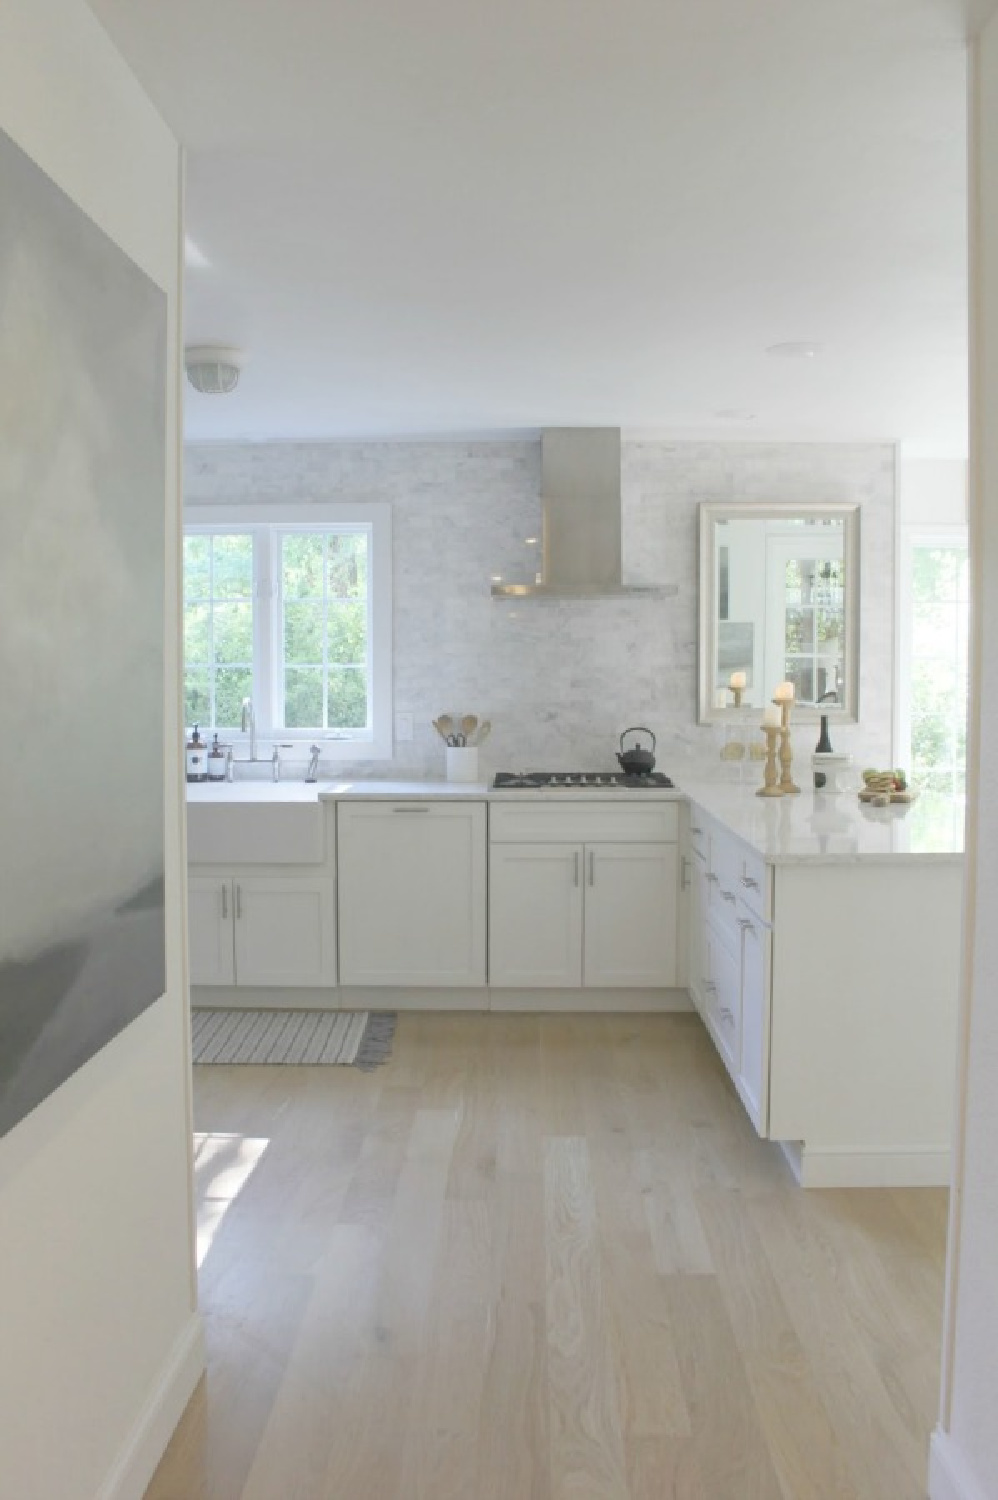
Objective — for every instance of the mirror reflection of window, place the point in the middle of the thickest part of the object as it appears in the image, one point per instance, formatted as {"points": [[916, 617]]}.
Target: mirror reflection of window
{"points": [[779, 602]]}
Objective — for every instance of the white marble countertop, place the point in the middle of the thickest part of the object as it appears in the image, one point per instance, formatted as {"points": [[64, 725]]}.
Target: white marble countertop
{"points": [[328, 790], [833, 827], [784, 830]]}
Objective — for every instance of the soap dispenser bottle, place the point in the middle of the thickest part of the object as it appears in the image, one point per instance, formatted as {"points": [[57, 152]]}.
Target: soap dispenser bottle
{"points": [[216, 761], [197, 757]]}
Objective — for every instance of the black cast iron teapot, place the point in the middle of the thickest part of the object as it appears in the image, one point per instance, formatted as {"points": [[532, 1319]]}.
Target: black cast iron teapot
{"points": [[637, 761]]}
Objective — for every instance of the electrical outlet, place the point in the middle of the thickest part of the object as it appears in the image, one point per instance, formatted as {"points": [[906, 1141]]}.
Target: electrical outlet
{"points": [[403, 726]]}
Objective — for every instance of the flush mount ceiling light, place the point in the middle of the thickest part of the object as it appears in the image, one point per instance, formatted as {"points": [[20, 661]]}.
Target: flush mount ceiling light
{"points": [[213, 369], [794, 350]]}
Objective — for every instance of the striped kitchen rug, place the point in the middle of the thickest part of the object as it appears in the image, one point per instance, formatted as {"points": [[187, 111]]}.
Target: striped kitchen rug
{"points": [[296, 1038]]}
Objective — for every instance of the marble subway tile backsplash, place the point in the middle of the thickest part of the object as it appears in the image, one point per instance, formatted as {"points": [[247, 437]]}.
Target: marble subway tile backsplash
{"points": [[560, 679]]}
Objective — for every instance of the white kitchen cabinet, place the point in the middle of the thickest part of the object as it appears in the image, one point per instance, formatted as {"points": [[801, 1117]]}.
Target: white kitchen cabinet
{"points": [[412, 893], [535, 915], [247, 928], [212, 957], [630, 915], [830, 993], [583, 897], [752, 1077]]}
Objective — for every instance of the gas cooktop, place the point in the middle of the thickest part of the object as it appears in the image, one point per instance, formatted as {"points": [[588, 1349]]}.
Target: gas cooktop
{"points": [[534, 780]]}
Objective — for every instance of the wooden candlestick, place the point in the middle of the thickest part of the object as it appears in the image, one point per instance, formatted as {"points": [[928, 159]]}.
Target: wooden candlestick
{"points": [[788, 787], [769, 786], [736, 693]]}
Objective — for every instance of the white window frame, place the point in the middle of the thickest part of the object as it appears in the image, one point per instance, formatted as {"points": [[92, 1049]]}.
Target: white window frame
{"points": [[911, 537], [268, 524]]}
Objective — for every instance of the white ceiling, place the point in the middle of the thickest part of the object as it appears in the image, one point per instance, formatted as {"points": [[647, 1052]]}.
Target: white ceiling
{"points": [[450, 217]]}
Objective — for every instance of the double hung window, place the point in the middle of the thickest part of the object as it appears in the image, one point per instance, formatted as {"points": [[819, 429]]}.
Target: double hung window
{"points": [[291, 609]]}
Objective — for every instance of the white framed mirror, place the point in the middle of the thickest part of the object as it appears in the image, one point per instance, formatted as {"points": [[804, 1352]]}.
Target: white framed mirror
{"points": [[779, 602]]}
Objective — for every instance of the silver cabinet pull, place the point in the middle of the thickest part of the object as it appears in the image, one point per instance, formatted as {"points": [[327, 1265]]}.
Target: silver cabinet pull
{"points": [[749, 883], [695, 829], [577, 856], [710, 986], [410, 809], [712, 877], [684, 872], [746, 924], [225, 900], [727, 895], [239, 902], [726, 1016], [592, 867]]}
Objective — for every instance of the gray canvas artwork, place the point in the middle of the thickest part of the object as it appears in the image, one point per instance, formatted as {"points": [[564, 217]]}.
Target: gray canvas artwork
{"points": [[82, 484]]}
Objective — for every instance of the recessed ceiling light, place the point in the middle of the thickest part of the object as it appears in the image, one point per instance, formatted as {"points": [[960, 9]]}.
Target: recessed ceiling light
{"points": [[497, 578], [794, 350], [530, 541]]}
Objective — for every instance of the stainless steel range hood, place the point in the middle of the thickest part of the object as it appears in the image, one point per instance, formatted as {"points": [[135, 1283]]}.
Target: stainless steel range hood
{"points": [[580, 504]]}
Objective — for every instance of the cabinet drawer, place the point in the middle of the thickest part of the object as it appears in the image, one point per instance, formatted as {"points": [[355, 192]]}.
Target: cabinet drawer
{"points": [[596, 822], [754, 885], [698, 831]]}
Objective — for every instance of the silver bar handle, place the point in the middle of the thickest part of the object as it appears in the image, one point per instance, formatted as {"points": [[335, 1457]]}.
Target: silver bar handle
{"points": [[239, 901], [684, 875], [749, 883], [695, 829], [727, 895], [746, 924], [712, 877], [410, 809], [225, 900], [592, 867], [576, 880]]}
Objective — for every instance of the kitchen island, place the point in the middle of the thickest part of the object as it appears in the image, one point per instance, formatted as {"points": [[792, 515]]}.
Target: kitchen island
{"points": [[824, 942]]}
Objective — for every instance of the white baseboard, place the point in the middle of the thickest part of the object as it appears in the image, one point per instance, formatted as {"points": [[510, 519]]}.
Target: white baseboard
{"points": [[816, 1168], [606, 1002], [164, 1406], [948, 1475], [387, 997]]}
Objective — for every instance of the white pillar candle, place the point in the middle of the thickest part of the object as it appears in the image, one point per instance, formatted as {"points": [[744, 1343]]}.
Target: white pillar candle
{"points": [[737, 680], [771, 718], [784, 693]]}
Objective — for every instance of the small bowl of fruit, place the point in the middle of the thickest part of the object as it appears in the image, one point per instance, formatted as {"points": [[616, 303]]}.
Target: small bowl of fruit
{"points": [[881, 788]]}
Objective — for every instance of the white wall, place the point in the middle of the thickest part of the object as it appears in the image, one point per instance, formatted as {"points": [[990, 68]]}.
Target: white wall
{"points": [[964, 1464], [561, 680], [100, 1336], [932, 491]]}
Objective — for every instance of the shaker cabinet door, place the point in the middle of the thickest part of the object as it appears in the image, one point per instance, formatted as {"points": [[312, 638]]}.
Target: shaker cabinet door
{"points": [[285, 931], [209, 925], [631, 907], [535, 916], [412, 894]]}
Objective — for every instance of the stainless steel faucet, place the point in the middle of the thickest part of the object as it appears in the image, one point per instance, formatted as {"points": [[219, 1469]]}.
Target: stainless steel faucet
{"points": [[312, 774], [275, 762], [248, 722]]}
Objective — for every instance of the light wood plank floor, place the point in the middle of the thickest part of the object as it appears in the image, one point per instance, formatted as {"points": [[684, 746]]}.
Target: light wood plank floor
{"points": [[544, 1258]]}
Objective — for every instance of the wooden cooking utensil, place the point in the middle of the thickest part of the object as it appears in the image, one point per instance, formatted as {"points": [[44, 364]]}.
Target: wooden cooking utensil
{"points": [[484, 730], [468, 726], [444, 726]]}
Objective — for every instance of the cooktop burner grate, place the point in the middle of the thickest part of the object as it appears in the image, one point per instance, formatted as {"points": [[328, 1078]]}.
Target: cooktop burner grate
{"points": [[533, 780]]}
